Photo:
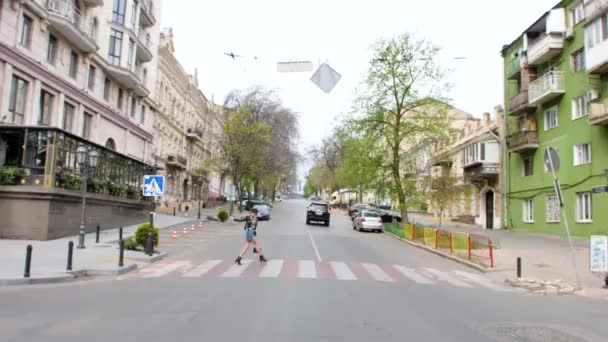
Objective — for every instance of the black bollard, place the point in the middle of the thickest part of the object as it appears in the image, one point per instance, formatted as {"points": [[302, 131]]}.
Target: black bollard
{"points": [[70, 255], [121, 253], [120, 233], [28, 261], [518, 267], [97, 234], [606, 282], [173, 211]]}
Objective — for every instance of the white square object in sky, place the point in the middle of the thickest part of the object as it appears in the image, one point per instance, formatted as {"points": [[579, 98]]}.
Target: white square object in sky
{"points": [[326, 78]]}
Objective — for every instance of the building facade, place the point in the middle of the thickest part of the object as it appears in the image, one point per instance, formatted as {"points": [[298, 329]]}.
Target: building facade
{"points": [[474, 161], [556, 96]]}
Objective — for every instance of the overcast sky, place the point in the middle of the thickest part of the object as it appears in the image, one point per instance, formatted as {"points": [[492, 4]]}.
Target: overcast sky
{"points": [[340, 33]]}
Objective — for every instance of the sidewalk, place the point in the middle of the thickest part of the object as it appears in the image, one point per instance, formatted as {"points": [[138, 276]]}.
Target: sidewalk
{"points": [[49, 258], [544, 257]]}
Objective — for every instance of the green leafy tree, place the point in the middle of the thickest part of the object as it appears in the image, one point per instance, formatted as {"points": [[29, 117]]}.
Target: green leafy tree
{"points": [[441, 188]]}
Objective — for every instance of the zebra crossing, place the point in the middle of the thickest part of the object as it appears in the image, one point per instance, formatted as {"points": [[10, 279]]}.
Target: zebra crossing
{"points": [[314, 270]]}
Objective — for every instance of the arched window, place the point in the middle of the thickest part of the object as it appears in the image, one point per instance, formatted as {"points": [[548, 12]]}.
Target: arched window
{"points": [[111, 144]]}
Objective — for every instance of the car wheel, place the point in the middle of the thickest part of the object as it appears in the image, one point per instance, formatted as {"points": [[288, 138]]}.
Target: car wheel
{"points": [[327, 224]]}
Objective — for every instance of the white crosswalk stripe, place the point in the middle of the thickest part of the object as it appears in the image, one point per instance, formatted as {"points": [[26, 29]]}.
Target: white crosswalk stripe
{"points": [[412, 275], [272, 269], [236, 270], [342, 271], [377, 273], [307, 269], [202, 269], [166, 269], [480, 280], [442, 276]]}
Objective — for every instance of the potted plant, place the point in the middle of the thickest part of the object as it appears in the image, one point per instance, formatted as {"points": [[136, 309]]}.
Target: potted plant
{"points": [[9, 175]]}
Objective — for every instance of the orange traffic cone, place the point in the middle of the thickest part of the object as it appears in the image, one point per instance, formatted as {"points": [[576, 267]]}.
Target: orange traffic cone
{"points": [[185, 232], [174, 236]]}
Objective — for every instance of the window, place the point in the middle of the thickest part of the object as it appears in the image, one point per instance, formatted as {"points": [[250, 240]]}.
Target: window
{"points": [[25, 38], [577, 14], [106, 89], [578, 60], [115, 47], [142, 118], [528, 166], [118, 11], [529, 210], [580, 107], [582, 154], [594, 33], [73, 72], [17, 99], [46, 108], [68, 117], [134, 15], [583, 207], [130, 54], [119, 99], [133, 107], [87, 125], [552, 209], [51, 53], [92, 71], [470, 154], [550, 116]]}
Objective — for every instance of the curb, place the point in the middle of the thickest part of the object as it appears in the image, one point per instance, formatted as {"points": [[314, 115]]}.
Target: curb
{"points": [[118, 271], [147, 259], [64, 278], [440, 253]]}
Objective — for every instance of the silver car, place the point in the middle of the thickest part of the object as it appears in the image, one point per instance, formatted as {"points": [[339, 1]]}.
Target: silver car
{"points": [[368, 220]]}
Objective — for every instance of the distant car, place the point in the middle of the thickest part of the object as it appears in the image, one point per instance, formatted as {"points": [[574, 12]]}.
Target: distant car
{"points": [[357, 207], [318, 212], [251, 203], [263, 211], [368, 220]]}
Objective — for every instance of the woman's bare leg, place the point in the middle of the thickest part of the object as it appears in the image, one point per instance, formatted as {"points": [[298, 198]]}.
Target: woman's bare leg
{"points": [[245, 248]]}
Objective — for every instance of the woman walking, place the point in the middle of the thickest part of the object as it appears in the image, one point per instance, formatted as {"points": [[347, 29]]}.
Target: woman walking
{"points": [[250, 233]]}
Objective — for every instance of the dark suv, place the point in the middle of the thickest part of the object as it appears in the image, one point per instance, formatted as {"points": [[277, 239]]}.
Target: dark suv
{"points": [[317, 212]]}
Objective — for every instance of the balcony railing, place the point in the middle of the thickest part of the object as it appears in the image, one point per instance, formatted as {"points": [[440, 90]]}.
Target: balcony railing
{"points": [[594, 8], [194, 133], [177, 160], [547, 87], [599, 114], [523, 141], [513, 68], [144, 38], [72, 24], [482, 170], [147, 19], [519, 103], [545, 47]]}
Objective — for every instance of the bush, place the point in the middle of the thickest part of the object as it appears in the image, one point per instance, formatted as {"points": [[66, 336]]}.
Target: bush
{"points": [[9, 175], [222, 215], [130, 244], [141, 235], [133, 193], [70, 181], [98, 185]]}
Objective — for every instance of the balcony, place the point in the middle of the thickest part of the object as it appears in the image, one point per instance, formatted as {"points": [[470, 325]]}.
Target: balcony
{"points": [[147, 18], [195, 134], [129, 78], [545, 47], [177, 161], [75, 27], [481, 170], [595, 8], [596, 58], [514, 68], [547, 87], [524, 141], [519, 104], [599, 114], [144, 46]]}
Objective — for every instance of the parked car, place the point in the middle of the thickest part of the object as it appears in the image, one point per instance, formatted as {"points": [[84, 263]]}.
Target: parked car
{"points": [[358, 207], [387, 217], [318, 212], [251, 203], [263, 211], [368, 220]]}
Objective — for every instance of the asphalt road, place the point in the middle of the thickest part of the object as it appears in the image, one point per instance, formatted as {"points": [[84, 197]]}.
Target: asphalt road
{"points": [[322, 284]]}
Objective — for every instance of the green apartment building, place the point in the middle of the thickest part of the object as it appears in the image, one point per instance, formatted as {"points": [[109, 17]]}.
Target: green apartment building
{"points": [[556, 95]]}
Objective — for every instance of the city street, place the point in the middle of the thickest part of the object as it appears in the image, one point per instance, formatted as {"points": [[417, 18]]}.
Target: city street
{"points": [[320, 284]]}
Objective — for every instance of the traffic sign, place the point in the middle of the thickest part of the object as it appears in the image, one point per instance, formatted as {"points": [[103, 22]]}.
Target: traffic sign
{"points": [[154, 186], [600, 189], [552, 159], [598, 248]]}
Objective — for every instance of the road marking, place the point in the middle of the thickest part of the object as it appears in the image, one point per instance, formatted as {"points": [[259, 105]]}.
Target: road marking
{"points": [[480, 280], [166, 269], [442, 276], [342, 271], [236, 269], [272, 269], [413, 275], [306, 269], [314, 245], [377, 273], [202, 269]]}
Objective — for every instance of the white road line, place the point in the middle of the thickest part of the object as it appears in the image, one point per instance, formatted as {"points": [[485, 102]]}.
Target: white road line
{"points": [[377, 273], [166, 269], [480, 280], [307, 269], [201, 269], [342, 271], [314, 245], [442, 276], [236, 270], [413, 275], [272, 269]]}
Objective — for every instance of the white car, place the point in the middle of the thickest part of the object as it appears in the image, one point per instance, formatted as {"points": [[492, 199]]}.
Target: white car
{"points": [[263, 211], [368, 220]]}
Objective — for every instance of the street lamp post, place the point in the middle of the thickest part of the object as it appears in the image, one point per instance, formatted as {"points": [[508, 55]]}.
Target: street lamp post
{"points": [[200, 186], [87, 160]]}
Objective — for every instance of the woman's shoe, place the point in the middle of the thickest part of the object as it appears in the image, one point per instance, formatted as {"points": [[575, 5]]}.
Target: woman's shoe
{"points": [[238, 260], [262, 259]]}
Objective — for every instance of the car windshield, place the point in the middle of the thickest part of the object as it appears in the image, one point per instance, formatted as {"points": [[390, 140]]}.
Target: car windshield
{"points": [[318, 207], [370, 214]]}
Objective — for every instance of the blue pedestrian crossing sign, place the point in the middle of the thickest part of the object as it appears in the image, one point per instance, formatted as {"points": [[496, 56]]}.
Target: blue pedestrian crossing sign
{"points": [[154, 186]]}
